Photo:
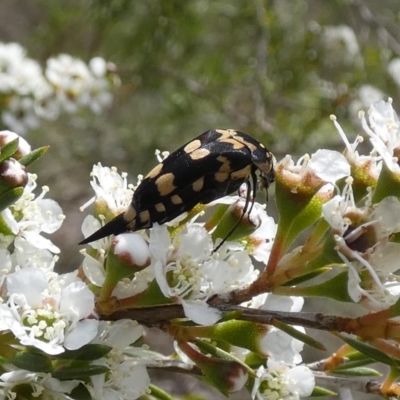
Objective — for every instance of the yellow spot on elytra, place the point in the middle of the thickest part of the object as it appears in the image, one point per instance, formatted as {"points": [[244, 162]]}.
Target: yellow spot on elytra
{"points": [[155, 171], [225, 133], [226, 164], [199, 154], [198, 185], [235, 143], [175, 199], [193, 145], [130, 213], [144, 216], [221, 176], [160, 207], [165, 184], [241, 173]]}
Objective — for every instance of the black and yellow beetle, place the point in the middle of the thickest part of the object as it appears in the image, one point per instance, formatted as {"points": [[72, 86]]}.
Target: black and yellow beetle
{"points": [[212, 165]]}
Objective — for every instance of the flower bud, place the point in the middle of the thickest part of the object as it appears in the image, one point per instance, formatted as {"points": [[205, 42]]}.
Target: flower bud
{"points": [[226, 375], [233, 215], [131, 250], [129, 253], [23, 146], [245, 334], [12, 175]]}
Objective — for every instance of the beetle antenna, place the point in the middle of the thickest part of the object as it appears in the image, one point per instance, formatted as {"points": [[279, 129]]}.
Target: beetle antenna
{"points": [[248, 201]]}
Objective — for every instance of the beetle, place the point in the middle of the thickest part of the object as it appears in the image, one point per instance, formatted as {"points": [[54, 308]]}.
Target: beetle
{"points": [[210, 166]]}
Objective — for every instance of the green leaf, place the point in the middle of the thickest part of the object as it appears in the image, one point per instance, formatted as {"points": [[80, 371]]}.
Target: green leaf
{"points": [[370, 351], [221, 354], [297, 210], [254, 360], [329, 255], [79, 373], [388, 185], [88, 352], [319, 392], [308, 276], [293, 332], [216, 216], [146, 354], [9, 149], [244, 334], [359, 371], [353, 360], [354, 364], [159, 393], [33, 156], [80, 393], [335, 288], [10, 197], [228, 221], [32, 361]]}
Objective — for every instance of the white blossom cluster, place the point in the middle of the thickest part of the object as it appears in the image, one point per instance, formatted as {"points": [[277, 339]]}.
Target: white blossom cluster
{"points": [[183, 265], [52, 312], [67, 84], [363, 231], [187, 272], [177, 263]]}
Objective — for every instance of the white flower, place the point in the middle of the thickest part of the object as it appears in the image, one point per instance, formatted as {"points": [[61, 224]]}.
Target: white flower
{"points": [[98, 67], [110, 188], [100, 86], [281, 382], [40, 385], [12, 56], [70, 78], [29, 77], [70, 86], [127, 378], [77, 85], [229, 269], [26, 255], [320, 171], [177, 270], [370, 165], [34, 215], [362, 235], [90, 225], [186, 271], [276, 343], [259, 243], [18, 73], [383, 128], [48, 312], [329, 165]]}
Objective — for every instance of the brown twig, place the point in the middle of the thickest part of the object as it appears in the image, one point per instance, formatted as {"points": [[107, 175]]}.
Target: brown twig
{"points": [[160, 316]]}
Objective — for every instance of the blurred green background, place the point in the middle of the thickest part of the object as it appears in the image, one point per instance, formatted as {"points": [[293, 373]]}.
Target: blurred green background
{"points": [[274, 69]]}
